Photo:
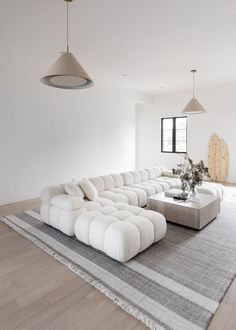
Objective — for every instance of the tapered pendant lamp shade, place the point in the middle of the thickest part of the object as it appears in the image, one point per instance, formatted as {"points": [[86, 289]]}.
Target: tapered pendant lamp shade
{"points": [[193, 107], [67, 73]]}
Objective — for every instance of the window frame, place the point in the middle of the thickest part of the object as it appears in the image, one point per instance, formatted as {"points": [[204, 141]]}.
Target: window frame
{"points": [[174, 135]]}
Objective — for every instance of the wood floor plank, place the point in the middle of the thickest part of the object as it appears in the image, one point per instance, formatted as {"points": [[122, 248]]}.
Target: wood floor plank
{"points": [[64, 290], [37, 292]]}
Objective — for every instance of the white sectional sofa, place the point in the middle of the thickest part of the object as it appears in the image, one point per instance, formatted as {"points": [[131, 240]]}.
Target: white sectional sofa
{"points": [[60, 210], [107, 212]]}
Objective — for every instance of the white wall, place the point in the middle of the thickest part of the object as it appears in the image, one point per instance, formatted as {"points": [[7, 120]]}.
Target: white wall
{"points": [[220, 104], [49, 136]]}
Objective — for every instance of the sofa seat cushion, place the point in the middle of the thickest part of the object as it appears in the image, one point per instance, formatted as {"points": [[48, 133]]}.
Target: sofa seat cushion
{"points": [[126, 194], [156, 185], [170, 181], [97, 203], [170, 174], [114, 196], [150, 187], [131, 195], [145, 187], [67, 202], [121, 231], [164, 185], [209, 188], [61, 219], [141, 194]]}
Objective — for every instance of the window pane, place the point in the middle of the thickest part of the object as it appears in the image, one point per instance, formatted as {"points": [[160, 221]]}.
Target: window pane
{"points": [[167, 135], [167, 146], [180, 135], [181, 123], [168, 123], [176, 128], [180, 146]]}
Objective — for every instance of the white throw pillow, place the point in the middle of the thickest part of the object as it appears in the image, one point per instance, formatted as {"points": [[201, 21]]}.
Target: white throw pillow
{"points": [[89, 189], [73, 189]]}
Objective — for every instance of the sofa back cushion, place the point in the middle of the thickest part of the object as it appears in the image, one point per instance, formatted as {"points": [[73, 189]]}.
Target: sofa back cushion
{"points": [[158, 171], [136, 176], [118, 180], [89, 189], [108, 182], [151, 173], [144, 175], [128, 178], [98, 182]]}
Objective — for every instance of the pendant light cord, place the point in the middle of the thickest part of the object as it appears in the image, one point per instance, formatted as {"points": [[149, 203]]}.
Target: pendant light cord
{"points": [[67, 27], [193, 85], [193, 72]]}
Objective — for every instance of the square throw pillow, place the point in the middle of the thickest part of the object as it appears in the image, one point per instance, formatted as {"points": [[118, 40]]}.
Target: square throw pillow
{"points": [[73, 189], [89, 189]]}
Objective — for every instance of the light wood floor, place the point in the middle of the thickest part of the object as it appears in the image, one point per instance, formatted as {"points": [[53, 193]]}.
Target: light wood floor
{"points": [[37, 292]]}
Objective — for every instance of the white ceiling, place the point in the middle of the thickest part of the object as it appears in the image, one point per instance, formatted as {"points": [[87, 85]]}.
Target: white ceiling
{"points": [[155, 42]]}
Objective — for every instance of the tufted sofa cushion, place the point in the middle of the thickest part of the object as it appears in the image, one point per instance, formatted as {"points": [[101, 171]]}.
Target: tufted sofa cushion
{"points": [[136, 176], [98, 182], [209, 188], [144, 175], [151, 173], [128, 178], [158, 171], [108, 182], [62, 212], [121, 231], [61, 219], [118, 180]]}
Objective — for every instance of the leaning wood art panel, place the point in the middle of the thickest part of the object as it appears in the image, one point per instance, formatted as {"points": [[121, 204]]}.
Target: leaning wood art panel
{"points": [[218, 158]]}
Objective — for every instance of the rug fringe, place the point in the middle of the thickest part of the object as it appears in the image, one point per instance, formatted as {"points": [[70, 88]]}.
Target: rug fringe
{"points": [[130, 309]]}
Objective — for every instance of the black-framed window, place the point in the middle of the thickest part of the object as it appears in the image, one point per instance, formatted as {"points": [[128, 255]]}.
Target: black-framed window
{"points": [[174, 134]]}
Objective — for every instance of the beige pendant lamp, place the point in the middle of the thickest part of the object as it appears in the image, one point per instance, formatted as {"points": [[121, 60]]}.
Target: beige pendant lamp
{"points": [[66, 72], [193, 107]]}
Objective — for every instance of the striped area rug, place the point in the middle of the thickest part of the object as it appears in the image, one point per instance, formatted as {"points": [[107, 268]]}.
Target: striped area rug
{"points": [[176, 284]]}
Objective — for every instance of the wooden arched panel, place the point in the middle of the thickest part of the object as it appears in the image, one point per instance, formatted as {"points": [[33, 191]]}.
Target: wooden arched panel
{"points": [[218, 158]]}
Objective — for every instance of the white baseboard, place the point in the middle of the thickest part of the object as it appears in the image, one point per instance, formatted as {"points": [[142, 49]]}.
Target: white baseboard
{"points": [[20, 198]]}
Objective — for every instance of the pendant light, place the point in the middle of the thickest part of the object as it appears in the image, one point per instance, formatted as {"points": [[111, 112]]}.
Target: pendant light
{"points": [[66, 72], [193, 107]]}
